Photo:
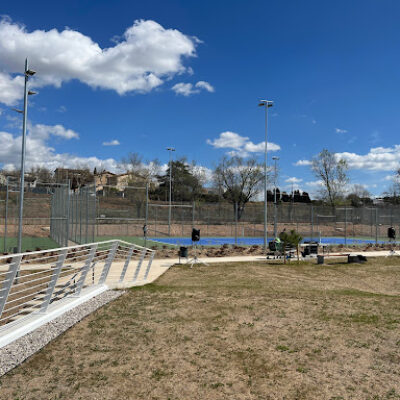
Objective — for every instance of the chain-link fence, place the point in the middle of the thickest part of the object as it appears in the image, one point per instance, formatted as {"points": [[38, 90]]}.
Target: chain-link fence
{"points": [[56, 216], [73, 215], [122, 216], [35, 221]]}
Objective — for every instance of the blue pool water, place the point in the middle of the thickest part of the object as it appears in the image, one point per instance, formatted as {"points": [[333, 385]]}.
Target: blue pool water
{"points": [[216, 241]]}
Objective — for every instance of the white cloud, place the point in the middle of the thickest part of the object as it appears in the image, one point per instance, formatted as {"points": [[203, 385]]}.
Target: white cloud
{"points": [[43, 132], [315, 184], [338, 130], [40, 153], [313, 121], [114, 142], [146, 55], [205, 85], [11, 89], [228, 139], [62, 109], [241, 145], [389, 178], [187, 89], [293, 180], [302, 163], [377, 159]]}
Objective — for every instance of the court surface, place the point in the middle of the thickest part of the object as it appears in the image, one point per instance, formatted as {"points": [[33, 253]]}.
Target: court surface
{"points": [[248, 241]]}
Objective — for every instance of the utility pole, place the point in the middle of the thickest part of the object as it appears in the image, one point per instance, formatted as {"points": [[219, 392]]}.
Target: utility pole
{"points": [[266, 104], [170, 149], [275, 205]]}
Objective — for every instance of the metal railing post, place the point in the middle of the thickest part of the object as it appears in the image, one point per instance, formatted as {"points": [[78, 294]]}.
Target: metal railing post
{"points": [[53, 281], [142, 255], [107, 264], [148, 266], [85, 269], [8, 281], [127, 261]]}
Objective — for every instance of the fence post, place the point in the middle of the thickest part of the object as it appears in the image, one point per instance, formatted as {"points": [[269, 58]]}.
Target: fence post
{"points": [[142, 255], [68, 212], [5, 219], [312, 222], [53, 280], [376, 225], [146, 216], [107, 264], [345, 225], [193, 211], [8, 281], [85, 269], [149, 266], [236, 222], [127, 261]]}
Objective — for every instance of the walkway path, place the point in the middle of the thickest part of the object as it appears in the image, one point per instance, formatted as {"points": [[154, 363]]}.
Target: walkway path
{"points": [[160, 266]]}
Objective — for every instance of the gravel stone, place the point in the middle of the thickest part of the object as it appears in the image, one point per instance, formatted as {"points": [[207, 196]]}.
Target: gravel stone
{"points": [[17, 352]]}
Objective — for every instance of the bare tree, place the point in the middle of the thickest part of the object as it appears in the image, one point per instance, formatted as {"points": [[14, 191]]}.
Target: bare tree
{"points": [[135, 165], [358, 195], [392, 193], [238, 180], [42, 174], [333, 173]]}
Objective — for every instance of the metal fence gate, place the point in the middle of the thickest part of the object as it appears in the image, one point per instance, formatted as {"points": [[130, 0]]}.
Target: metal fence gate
{"points": [[73, 215]]}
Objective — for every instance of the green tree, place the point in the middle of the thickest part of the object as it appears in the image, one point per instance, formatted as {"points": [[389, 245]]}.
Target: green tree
{"points": [[186, 182], [292, 239]]}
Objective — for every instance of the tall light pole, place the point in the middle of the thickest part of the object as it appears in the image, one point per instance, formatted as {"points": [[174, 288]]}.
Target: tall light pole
{"points": [[170, 149], [266, 104], [27, 73], [275, 158]]}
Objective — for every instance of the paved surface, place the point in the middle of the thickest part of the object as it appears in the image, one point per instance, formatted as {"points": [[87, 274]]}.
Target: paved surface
{"points": [[160, 266]]}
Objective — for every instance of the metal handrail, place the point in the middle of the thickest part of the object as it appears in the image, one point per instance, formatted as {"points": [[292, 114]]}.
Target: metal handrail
{"points": [[28, 284]]}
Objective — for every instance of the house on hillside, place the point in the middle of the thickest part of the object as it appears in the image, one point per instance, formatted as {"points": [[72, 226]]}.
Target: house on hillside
{"points": [[121, 181], [81, 176], [30, 181], [102, 179]]}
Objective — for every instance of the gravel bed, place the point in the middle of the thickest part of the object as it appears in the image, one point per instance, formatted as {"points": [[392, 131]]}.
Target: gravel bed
{"points": [[15, 353]]}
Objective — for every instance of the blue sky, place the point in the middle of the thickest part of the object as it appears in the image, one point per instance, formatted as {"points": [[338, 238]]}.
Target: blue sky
{"points": [[332, 69]]}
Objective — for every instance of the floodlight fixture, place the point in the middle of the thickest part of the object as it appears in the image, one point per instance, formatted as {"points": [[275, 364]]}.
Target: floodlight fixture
{"points": [[18, 111], [170, 149], [29, 72], [31, 93], [266, 103]]}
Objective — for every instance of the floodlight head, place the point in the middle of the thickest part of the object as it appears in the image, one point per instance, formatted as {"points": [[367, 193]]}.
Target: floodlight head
{"points": [[275, 158], [29, 72], [267, 103], [18, 111], [170, 149], [31, 93]]}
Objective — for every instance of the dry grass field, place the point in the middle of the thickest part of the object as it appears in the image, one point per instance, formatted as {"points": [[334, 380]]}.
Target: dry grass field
{"points": [[232, 331]]}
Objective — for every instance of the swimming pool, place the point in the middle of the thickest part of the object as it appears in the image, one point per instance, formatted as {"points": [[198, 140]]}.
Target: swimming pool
{"points": [[218, 241]]}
